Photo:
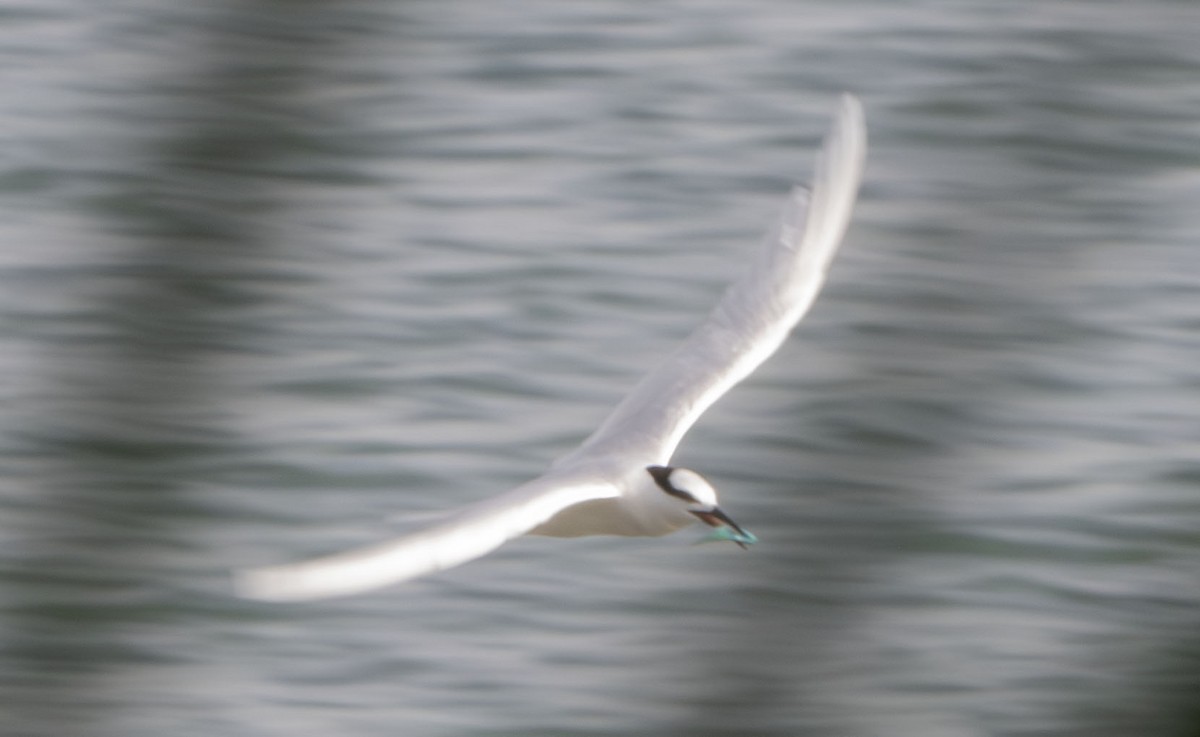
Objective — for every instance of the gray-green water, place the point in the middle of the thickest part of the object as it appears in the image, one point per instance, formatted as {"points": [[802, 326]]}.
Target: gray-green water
{"points": [[274, 273]]}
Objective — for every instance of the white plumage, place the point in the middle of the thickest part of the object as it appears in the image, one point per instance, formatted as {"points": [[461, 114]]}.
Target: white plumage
{"points": [[618, 481]]}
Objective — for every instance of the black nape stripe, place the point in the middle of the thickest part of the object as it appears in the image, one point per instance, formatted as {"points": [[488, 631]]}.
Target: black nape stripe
{"points": [[662, 477]]}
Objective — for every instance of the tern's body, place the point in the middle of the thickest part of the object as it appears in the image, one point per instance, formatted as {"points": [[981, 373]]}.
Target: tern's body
{"points": [[618, 481]]}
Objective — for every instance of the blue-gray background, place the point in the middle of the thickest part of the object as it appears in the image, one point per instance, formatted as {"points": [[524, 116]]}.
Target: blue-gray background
{"points": [[276, 275]]}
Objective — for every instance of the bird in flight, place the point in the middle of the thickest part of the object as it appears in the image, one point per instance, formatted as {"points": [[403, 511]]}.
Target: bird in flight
{"points": [[619, 481]]}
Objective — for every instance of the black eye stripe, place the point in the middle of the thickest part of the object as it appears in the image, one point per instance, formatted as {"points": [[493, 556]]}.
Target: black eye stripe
{"points": [[662, 477], [681, 494]]}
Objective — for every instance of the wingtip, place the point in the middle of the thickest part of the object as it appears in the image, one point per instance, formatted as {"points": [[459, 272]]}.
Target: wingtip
{"points": [[848, 101], [283, 584], [851, 119], [837, 175], [850, 122], [258, 584]]}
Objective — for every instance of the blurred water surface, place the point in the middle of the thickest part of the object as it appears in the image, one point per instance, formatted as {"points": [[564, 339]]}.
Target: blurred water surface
{"points": [[277, 275]]}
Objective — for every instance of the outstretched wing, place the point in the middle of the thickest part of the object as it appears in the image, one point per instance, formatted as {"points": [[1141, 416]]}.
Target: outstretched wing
{"points": [[473, 532], [753, 317]]}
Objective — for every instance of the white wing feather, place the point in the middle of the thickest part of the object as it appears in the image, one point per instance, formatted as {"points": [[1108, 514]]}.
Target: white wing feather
{"points": [[469, 534], [753, 317]]}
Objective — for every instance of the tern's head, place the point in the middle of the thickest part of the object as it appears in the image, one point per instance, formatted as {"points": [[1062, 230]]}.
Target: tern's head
{"points": [[696, 497]]}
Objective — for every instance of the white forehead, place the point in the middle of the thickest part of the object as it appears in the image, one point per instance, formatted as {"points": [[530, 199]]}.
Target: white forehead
{"points": [[694, 484]]}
